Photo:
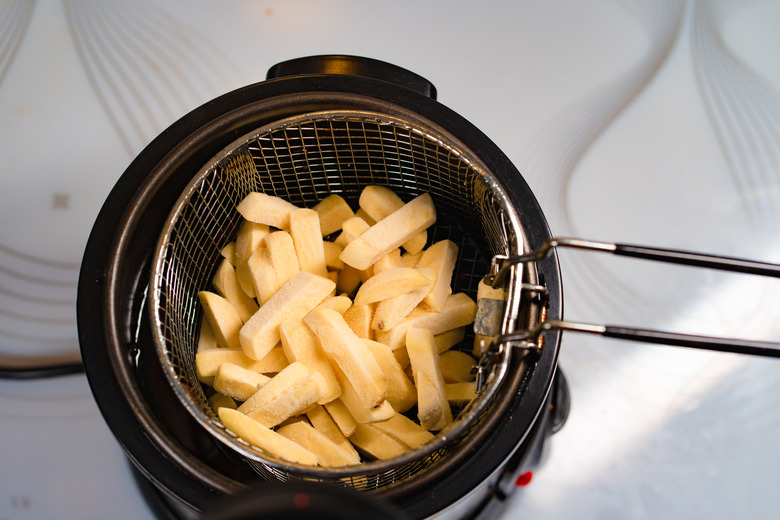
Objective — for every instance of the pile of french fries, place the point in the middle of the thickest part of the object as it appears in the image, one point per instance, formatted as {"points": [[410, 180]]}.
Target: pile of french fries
{"points": [[332, 351]]}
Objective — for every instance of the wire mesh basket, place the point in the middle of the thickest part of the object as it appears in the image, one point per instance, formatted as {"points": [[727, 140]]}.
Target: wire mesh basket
{"points": [[304, 159]]}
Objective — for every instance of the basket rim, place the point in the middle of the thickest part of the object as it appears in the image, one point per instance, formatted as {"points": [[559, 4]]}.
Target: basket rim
{"points": [[444, 438]]}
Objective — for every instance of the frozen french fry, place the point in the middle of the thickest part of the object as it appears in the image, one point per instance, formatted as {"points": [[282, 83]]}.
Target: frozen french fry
{"points": [[354, 403], [404, 430], [456, 366], [288, 393], [284, 260], [347, 351], [410, 260], [460, 394], [359, 317], [332, 252], [448, 339], [329, 454], [401, 393], [352, 228], [237, 382], [264, 438], [459, 311], [266, 209], [333, 210], [391, 260], [339, 304], [341, 416], [206, 338], [390, 232], [300, 344], [349, 280], [227, 285], [376, 444], [365, 216], [387, 284], [228, 252], [263, 275], [390, 312], [433, 410], [218, 401], [441, 257], [321, 420], [298, 296], [378, 202], [223, 318], [250, 238], [306, 235], [207, 362]]}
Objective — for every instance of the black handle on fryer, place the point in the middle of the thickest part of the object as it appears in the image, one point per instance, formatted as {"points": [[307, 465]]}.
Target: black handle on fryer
{"points": [[528, 338], [353, 66], [676, 256]]}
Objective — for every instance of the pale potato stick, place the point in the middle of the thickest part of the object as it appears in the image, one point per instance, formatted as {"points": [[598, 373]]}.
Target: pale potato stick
{"points": [[354, 403], [263, 274], [387, 284], [359, 317], [448, 339], [273, 362], [365, 216], [298, 296], [410, 260], [456, 366], [264, 438], [300, 344], [390, 232], [283, 257], [353, 228], [228, 252], [433, 410], [401, 392], [341, 416], [218, 401], [459, 311], [349, 280], [378, 202], [376, 444], [333, 210], [459, 394], [238, 382], [389, 313], [346, 350], [441, 257], [391, 260], [306, 235], [266, 209], [332, 252], [417, 243], [206, 338], [207, 362], [321, 420], [329, 454], [227, 285], [250, 238], [404, 430], [223, 317], [288, 393], [339, 304]]}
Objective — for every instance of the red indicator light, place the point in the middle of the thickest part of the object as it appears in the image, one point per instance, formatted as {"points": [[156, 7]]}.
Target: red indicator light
{"points": [[301, 500], [524, 479]]}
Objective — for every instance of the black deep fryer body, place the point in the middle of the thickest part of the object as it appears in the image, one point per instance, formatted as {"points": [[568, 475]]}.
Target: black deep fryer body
{"points": [[186, 468]]}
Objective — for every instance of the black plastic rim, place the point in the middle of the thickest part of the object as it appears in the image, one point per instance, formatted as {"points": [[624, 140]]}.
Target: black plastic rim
{"points": [[115, 267]]}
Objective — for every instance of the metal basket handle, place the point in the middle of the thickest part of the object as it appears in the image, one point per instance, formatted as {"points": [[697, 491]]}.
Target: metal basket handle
{"points": [[528, 339]]}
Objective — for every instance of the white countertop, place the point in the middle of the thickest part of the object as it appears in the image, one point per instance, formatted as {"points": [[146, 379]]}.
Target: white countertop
{"points": [[652, 122]]}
